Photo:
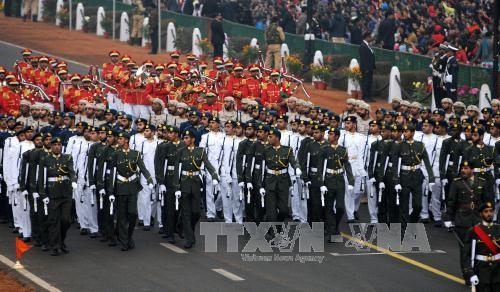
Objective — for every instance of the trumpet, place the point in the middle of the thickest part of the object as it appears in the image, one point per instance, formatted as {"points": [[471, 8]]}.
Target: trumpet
{"points": [[142, 74]]}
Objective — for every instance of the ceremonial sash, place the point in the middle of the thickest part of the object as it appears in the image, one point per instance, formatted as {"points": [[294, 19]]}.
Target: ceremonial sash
{"points": [[486, 239]]}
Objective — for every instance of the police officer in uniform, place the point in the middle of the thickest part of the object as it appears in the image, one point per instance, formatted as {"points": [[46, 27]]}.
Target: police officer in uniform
{"points": [[126, 164], [188, 163], [482, 264], [57, 180]]}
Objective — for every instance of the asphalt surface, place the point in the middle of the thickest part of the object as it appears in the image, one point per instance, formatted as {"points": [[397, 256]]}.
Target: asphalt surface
{"points": [[93, 266]]}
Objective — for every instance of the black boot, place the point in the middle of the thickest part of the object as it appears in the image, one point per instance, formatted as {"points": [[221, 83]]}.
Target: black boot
{"points": [[35, 18]]}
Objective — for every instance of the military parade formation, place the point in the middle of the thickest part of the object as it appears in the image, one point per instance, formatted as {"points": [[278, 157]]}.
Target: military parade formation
{"points": [[170, 144]]}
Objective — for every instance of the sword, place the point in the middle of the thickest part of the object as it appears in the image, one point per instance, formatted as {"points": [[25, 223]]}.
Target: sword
{"points": [[399, 170], [92, 198], [101, 201], [242, 190], [35, 205], [45, 209], [472, 256], [111, 207], [325, 162], [262, 200], [25, 202], [249, 195], [380, 193], [176, 203]]}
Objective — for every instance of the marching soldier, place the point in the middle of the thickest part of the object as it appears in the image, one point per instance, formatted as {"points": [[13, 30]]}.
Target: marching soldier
{"points": [[451, 156], [480, 253], [298, 201], [165, 157], [126, 164], [188, 166], [334, 167], [243, 161], [407, 158], [56, 182], [483, 157], [370, 182], [276, 179], [466, 194]]}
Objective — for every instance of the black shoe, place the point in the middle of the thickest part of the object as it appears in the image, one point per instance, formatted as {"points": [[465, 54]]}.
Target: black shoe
{"points": [[170, 239], [162, 230], [356, 215], [146, 228], [188, 245], [141, 223], [84, 231], [210, 219], [45, 248], [64, 248], [94, 235], [131, 244], [124, 248], [438, 224], [16, 230], [152, 222], [220, 214], [27, 239], [55, 252], [112, 243]]}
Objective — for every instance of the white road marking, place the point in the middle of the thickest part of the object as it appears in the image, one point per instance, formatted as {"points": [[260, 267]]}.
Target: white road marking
{"points": [[32, 277], [46, 54], [173, 248], [437, 251], [228, 275]]}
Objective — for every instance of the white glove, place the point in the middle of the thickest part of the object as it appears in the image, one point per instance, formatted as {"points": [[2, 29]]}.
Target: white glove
{"points": [[497, 181], [102, 192], [24, 193], [46, 201], [447, 224], [74, 185], [307, 183], [10, 188], [177, 194], [111, 198], [444, 181], [298, 172], [241, 184], [262, 192], [448, 78], [35, 196], [373, 180], [323, 189], [92, 187], [398, 188], [350, 188], [215, 182], [249, 186], [431, 185], [16, 186], [474, 280], [381, 185], [151, 186], [163, 188]]}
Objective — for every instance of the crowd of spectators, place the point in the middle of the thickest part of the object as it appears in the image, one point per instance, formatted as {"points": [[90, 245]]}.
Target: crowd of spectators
{"points": [[401, 25]]}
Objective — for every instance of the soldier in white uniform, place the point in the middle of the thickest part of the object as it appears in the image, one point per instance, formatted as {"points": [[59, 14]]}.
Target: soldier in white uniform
{"points": [[230, 191], [355, 143], [138, 137], [212, 143], [298, 201], [147, 200], [440, 129], [88, 197], [430, 141], [371, 190]]}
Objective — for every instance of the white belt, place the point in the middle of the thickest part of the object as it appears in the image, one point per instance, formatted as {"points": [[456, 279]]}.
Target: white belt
{"points": [[412, 168], [57, 178], [334, 171], [277, 172], [488, 258], [257, 166], [171, 167], [483, 169], [314, 169], [190, 173], [389, 164], [126, 179], [108, 171]]}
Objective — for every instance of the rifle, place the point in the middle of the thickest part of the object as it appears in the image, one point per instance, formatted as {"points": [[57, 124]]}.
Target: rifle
{"points": [[249, 192], [45, 209], [323, 176], [263, 176], [399, 177], [101, 198], [114, 188]]}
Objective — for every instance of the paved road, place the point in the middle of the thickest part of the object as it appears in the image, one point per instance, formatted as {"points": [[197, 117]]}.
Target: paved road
{"points": [[93, 266]]}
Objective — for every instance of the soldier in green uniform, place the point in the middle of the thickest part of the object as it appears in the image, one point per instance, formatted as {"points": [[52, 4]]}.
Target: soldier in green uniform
{"points": [[27, 185], [276, 179], [243, 161], [166, 177], [254, 173], [482, 155], [334, 165], [56, 181], [103, 183], [466, 194], [312, 175], [451, 156], [188, 163], [407, 159], [95, 155], [379, 153], [125, 166], [481, 252]]}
